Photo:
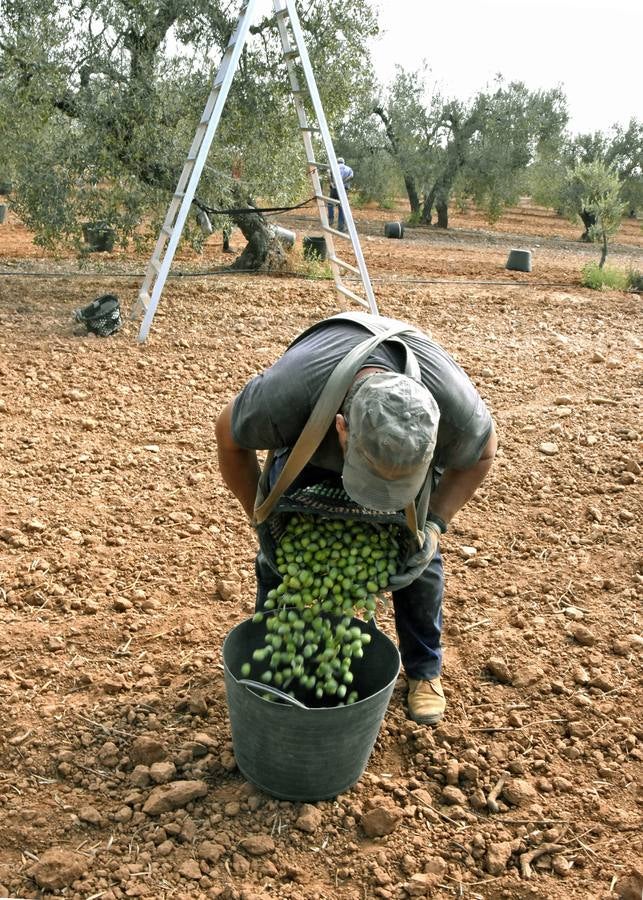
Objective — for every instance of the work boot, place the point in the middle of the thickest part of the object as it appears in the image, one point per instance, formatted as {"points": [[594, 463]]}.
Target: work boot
{"points": [[426, 701]]}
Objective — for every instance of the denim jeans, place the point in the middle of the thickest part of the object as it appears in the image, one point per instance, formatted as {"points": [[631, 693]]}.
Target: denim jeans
{"points": [[418, 607], [331, 211]]}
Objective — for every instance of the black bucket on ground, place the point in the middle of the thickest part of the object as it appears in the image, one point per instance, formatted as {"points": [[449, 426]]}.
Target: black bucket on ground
{"points": [[393, 230], [99, 237], [102, 316], [519, 260], [302, 753], [315, 248]]}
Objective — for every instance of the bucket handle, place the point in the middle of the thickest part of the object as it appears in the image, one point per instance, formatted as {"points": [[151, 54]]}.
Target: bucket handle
{"points": [[268, 689]]}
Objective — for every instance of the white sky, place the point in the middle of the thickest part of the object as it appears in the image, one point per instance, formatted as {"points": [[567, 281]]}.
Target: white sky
{"points": [[592, 50]]}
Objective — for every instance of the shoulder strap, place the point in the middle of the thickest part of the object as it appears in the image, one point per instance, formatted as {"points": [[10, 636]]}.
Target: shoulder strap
{"points": [[326, 408]]}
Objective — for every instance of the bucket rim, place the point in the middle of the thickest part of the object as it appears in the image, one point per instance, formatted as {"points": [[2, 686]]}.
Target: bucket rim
{"points": [[303, 709]]}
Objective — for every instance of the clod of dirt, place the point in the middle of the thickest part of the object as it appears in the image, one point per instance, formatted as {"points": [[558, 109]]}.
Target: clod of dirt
{"points": [[526, 676], [381, 820], [162, 772], [228, 590], [631, 888], [497, 856], [168, 797], [499, 669], [58, 868], [140, 776], [13, 537], [240, 865], [309, 818], [518, 792], [109, 755], [211, 852], [548, 448], [422, 884], [147, 750], [583, 635], [190, 869], [258, 844], [90, 815], [453, 796]]}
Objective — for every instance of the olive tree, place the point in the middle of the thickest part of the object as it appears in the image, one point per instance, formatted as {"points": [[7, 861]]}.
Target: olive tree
{"points": [[620, 150], [593, 189], [99, 102], [479, 148]]}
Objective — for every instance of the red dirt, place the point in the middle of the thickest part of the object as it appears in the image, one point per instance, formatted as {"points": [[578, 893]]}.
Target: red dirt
{"points": [[117, 535]]}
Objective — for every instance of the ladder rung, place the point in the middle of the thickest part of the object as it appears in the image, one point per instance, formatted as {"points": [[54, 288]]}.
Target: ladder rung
{"points": [[311, 128], [344, 265], [282, 14], [167, 229], [328, 199], [331, 230], [155, 264], [317, 165], [291, 54], [347, 293]]}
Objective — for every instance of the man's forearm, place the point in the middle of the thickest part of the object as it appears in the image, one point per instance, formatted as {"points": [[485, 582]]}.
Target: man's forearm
{"points": [[240, 471], [239, 467], [457, 486]]}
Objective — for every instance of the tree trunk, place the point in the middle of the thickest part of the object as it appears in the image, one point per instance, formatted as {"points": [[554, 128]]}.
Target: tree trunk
{"points": [[603, 251], [588, 219], [409, 181], [442, 208], [264, 251], [414, 199], [427, 208]]}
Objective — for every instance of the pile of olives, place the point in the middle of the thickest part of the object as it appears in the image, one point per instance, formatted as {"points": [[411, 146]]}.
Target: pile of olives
{"points": [[332, 571]]}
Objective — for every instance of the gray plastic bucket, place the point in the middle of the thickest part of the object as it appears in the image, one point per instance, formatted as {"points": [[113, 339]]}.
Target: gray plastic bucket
{"points": [[299, 753], [519, 260], [394, 230], [3, 212], [315, 248]]}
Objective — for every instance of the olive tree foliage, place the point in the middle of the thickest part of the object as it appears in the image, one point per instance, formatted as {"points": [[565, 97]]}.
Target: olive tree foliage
{"points": [[594, 189], [448, 149], [100, 99], [517, 127]]}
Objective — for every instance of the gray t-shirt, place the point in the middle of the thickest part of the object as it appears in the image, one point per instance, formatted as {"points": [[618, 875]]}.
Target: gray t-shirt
{"points": [[273, 408]]}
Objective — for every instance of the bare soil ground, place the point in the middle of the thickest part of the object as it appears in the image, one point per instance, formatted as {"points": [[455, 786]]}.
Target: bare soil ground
{"points": [[124, 562]]}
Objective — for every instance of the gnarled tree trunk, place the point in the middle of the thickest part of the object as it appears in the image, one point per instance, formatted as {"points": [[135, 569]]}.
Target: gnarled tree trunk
{"points": [[264, 251]]}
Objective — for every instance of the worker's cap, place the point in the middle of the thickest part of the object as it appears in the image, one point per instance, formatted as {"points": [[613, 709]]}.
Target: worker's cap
{"points": [[392, 429], [340, 160]]}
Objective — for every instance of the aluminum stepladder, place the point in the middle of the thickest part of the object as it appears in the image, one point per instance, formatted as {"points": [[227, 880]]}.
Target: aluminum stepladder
{"points": [[294, 52]]}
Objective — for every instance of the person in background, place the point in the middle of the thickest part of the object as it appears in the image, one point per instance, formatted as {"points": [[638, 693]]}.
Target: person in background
{"points": [[347, 176]]}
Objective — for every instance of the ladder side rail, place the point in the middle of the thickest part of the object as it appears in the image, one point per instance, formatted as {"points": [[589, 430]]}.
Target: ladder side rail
{"points": [[302, 118], [237, 42], [330, 151]]}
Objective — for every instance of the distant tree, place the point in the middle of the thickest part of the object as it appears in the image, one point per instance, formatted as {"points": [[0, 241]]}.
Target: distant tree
{"points": [[479, 149], [621, 150], [99, 104], [625, 155], [519, 126], [593, 190]]}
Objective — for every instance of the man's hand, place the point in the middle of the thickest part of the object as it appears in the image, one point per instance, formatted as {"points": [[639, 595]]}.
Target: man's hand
{"points": [[417, 563]]}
